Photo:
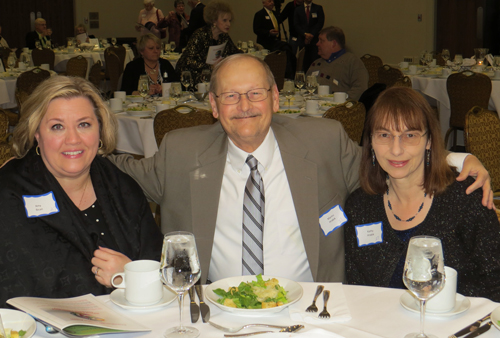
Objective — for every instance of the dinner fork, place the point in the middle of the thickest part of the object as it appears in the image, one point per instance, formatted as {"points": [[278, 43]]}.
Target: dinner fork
{"points": [[324, 314], [313, 307]]}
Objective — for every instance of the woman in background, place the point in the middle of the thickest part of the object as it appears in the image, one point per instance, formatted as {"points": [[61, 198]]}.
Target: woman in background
{"points": [[176, 22], [148, 19]]}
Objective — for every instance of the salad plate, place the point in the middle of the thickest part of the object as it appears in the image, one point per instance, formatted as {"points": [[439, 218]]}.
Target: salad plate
{"points": [[495, 317], [17, 321], [294, 293], [293, 112]]}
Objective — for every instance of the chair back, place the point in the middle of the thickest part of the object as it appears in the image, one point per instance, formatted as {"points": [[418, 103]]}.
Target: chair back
{"points": [[77, 66], [372, 64], [41, 56], [95, 74], [120, 51], [27, 82], [482, 139], [351, 115], [466, 90], [171, 119], [389, 75], [113, 69], [5, 148], [403, 82], [277, 63], [300, 59]]}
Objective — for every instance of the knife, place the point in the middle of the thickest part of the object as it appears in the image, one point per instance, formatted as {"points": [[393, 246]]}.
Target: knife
{"points": [[471, 328], [290, 329], [205, 309], [479, 331], [195, 310]]}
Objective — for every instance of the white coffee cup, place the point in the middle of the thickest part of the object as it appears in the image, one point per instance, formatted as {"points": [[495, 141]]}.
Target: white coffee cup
{"points": [[141, 281], [446, 72], [45, 66], [413, 69], [433, 63], [165, 89], [312, 107], [324, 90], [116, 104], [22, 66], [121, 95], [497, 74], [162, 106], [340, 97], [403, 65], [444, 301], [202, 88]]}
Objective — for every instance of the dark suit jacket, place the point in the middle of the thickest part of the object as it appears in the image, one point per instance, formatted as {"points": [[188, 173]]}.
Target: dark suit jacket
{"points": [[195, 20], [32, 38], [316, 22], [262, 24], [288, 13]]}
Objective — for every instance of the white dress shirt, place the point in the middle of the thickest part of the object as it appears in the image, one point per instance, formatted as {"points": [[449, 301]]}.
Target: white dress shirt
{"points": [[284, 251]]}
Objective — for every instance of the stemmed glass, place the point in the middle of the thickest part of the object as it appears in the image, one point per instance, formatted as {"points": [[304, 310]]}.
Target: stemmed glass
{"points": [[496, 62], [167, 48], [288, 91], [113, 41], [458, 60], [250, 44], [244, 46], [445, 54], [186, 81], [175, 91], [180, 270], [25, 58], [143, 87], [11, 61], [428, 60], [424, 273], [172, 46], [300, 80], [311, 84], [239, 45]]}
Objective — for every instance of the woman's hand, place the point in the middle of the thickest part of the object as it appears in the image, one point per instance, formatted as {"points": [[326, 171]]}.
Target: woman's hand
{"points": [[473, 167], [106, 263], [154, 89]]}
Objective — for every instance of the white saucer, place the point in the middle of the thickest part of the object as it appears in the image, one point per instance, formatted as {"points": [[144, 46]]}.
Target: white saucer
{"points": [[495, 78], [118, 297], [409, 302]]}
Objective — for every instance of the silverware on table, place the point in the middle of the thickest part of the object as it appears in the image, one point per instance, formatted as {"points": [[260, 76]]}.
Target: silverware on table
{"points": [[239, 328], [479, 331], [195, 310], [205, 309], [313, 307], [471, 328], [292, 328], [324, 314]]}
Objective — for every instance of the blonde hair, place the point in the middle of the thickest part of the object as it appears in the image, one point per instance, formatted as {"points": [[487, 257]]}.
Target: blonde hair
{"points": [[35, 108], [214, 9]]}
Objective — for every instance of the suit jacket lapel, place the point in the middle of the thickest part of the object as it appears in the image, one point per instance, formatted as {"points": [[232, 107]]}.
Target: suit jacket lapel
{"points": [[303, 180]]}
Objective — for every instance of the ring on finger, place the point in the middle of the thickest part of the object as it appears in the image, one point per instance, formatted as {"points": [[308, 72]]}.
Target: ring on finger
{"points": [[96, 270]]}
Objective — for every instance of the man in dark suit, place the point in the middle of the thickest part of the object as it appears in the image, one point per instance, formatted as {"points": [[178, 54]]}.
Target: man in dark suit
{"points": [[288, 13], [195, 19], [40, 34], [266, 25], [309, 20]]}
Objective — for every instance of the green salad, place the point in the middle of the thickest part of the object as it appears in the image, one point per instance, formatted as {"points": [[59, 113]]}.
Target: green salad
{"points": [[259, 294]]}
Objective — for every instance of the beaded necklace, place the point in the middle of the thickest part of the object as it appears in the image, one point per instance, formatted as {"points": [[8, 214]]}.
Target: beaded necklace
{"points": [[397, 217]]}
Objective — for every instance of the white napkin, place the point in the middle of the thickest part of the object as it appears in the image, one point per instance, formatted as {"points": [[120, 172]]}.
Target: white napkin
{"points": [[489, 57], [469, 62], [337, 306], [317, 333]]}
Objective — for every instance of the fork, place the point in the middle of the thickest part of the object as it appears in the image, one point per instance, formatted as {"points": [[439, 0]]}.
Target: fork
{"points": [[313, 307], [236, 329], [324, 314]]}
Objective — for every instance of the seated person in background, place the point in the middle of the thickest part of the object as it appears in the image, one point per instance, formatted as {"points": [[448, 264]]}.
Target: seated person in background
{"points": [[337, 68], [158, 70], [218, 16], [69, 218], [41, 34], [176, 22], [81, 29], [3, 42], [408, 189], [266, 25], [149, 16]]}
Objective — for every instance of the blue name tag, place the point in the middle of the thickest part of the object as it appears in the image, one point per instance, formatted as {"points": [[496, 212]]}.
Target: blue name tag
{"points": [[40, 205], [369, 234], [332, 219]]}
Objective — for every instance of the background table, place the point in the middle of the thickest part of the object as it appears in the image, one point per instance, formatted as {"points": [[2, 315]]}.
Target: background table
{"points": [[136, 135], [376, 312]]}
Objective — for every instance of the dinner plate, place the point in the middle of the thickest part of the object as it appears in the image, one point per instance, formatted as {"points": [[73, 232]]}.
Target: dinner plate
{"points": [[18, 320], [118, 297], [135, 98], [294, 293], [139, 113], [409, 302], [495, 317]]}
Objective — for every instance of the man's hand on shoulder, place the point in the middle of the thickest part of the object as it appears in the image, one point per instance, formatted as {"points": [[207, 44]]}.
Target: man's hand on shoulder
{"points": [[473, 167]]}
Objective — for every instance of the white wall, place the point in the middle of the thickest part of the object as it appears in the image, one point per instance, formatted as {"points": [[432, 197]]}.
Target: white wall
{"points": [[387, 28]]}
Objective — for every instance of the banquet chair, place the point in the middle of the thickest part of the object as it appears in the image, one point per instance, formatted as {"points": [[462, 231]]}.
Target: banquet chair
{"points": [[114, 70], [41, 56], [482, 139], [351, 115], [5, 152], [300, 59], [372, 64], [27, 82], [465, 90], [120, 51], [77, 66], [171, 119], [389, 75], [277, 63], [95, 74], [403, 82]]}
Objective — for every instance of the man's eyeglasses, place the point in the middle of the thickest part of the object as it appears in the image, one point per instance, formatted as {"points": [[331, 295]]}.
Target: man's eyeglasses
{"points": [[408, 138], [253, 95]]}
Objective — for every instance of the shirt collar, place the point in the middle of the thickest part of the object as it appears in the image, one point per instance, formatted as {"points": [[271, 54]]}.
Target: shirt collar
{"points": [[264, 153], [336, 55]]}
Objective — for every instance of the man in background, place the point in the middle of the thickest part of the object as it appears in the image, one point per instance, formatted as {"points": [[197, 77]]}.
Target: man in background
{"points": [[195, 19], [309, 20], [288, 14], [266, 25], [40, 34]]}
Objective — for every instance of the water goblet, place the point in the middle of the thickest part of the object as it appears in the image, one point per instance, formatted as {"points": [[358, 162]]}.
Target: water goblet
{"points": [[300, 80], [424, 273], [244, 46], [458, 60], [205, 78], [11, 61], [250, 44], [180, 270], [25, 58], [445, 54], [187, 80], [311, 84], [143, 87], [238, 44], [167, 48], [172, 46], [113, 41], [175, 91]]}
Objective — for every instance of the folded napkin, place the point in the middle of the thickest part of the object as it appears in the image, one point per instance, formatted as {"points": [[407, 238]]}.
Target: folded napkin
{"points": [[337, 305], [489, 57], [469, 62]]}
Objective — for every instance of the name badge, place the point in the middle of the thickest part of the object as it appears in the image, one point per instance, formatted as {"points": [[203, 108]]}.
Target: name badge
{"points": [[335, 82], [332, 219], [369, 234], [316, 73], [314, 15], [268, 18], [41, 205]]}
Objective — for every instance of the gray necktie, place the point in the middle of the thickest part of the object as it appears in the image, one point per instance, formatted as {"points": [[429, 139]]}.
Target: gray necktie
{"points": [[253, 221]]}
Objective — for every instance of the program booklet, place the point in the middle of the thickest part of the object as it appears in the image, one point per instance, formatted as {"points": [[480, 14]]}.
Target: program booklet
{"points": [[79, 316], [215, 52]]}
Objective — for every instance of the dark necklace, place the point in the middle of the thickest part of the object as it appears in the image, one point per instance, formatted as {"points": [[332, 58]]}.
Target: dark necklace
{"points": [[397, 217], [153, 69]]}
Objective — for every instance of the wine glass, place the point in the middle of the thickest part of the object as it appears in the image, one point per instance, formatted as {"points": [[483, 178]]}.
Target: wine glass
{"points": [[250, 44], [244, 46], [11, 61], [167, 48], [25, 58], [445, 54], [311, 84], [300, 80], [143, 87], [180, 270], [113, 41], [186, 80], [238, 44], [424, 273], [172, 46], [205, 76], [175, 91], [288, 91], [458, 60], [428, 60]]}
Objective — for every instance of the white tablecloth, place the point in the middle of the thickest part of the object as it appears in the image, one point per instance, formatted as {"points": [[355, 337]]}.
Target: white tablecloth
{"points": [[376, 312], [7, 92], [136, 135]]}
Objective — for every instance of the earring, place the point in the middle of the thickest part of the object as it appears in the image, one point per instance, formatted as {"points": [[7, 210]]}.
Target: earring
{"points": [[428, 157], [100, 144], [37, 150], [373, 157]]}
